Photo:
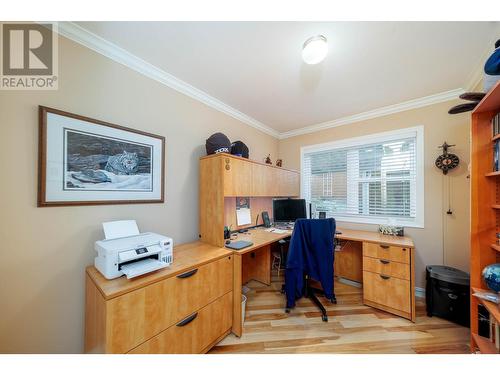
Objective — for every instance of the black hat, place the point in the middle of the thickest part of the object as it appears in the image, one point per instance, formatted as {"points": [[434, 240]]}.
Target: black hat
{"points": [[216, 143], [240, 149]]}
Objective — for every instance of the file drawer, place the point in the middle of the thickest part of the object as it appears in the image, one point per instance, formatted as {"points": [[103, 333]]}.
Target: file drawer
{"points": [[393, 253], [195, 332], [387, 291], [137, 316], [387, 267]]}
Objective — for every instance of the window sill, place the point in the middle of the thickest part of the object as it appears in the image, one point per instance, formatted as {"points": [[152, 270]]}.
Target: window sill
{"points": [[379, 221]]}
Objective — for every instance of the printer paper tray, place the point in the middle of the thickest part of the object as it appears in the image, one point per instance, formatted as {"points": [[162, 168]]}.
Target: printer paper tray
{"points": [[141, 267]]}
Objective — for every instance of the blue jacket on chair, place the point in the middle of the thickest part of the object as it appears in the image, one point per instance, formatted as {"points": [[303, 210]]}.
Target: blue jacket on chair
{"points": [[311, 252]]}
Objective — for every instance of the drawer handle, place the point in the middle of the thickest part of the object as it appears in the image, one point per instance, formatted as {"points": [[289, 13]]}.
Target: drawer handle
{"points": [[384, 261], [385, 277], [187, 274], [188, 320], [384, 246]]}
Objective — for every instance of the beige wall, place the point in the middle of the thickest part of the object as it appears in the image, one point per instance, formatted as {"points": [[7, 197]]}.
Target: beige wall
{"points": [[443, 235], [44, 251]]}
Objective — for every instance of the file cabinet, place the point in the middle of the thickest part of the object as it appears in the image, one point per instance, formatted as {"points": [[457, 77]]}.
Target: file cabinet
{"points": [[186, 308], [388, 278]]}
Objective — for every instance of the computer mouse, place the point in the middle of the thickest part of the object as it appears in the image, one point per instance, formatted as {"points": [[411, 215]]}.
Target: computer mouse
{"points": [[228, 242]]}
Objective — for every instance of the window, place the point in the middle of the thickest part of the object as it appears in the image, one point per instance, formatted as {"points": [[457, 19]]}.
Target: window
{"points": [[375, 179]]}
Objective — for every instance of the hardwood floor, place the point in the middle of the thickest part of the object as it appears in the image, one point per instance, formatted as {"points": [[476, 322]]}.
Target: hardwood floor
{"points": [[351, 328]]}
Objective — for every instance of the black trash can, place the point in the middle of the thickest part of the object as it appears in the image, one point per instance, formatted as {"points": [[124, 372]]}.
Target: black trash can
{"points": [[447, 294]]}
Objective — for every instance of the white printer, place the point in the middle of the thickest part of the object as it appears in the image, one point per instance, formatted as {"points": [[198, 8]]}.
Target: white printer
{"points": [[125, 251]]}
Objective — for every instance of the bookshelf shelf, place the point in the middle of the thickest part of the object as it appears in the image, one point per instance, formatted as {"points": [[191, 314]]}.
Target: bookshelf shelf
{"points": [[493, 174], [495, 247], [496, 206], [492, 308], [496, 137], [485, 346]]}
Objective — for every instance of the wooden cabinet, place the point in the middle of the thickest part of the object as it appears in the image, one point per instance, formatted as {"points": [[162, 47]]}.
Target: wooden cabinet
{"points": [[237, 177], [196, 333], [388, 278], [226, 176], [166, 312], [247, 178]]}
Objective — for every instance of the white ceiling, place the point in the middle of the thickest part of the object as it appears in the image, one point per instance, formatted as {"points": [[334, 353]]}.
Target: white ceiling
{"points": [[256, 67]]}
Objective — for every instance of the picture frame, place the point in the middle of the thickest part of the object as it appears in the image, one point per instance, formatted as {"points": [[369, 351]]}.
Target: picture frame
{"points": [[84, 161]]}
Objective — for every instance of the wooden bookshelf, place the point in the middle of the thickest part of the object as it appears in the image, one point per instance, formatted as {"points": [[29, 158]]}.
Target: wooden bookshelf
{"points": [[485, 195]]}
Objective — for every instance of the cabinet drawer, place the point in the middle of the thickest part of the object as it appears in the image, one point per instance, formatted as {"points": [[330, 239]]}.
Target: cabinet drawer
{"points": [[394, 253], [193, 333], [387, 267], [387, 290], [139, 315]]}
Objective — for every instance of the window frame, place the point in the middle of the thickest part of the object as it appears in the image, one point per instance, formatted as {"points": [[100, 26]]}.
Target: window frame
{"points": [[415, 131]]}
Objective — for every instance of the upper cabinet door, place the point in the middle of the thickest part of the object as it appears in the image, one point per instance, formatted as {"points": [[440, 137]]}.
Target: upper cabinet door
{"points": [[244, 178], [288, 183], [264, 181], [237, 177]]}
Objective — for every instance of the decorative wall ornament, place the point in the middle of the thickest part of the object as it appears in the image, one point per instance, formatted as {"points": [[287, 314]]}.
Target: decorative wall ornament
{"points": [[447, 161]]}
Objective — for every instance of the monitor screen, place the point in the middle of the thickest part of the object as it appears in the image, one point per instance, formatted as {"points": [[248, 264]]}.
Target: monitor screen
{"points": [[289, 210]]}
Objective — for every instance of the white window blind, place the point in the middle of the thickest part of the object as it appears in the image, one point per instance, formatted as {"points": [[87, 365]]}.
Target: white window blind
{"points": [[365, 180]]}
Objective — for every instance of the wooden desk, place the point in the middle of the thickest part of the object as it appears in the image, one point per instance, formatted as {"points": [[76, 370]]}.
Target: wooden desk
{"points": [[144, 315], [385, 263]]}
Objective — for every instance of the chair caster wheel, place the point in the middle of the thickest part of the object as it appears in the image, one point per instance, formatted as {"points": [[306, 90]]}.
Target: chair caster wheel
{"points": [[334, 300], [287, 311], [324, 318]]}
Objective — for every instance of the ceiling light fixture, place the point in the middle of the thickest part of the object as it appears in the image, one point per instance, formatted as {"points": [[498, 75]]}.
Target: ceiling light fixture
{"points": [[314, 49]]}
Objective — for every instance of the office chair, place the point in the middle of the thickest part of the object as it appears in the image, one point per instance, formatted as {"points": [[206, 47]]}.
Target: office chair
{"points": [[310, 256]]}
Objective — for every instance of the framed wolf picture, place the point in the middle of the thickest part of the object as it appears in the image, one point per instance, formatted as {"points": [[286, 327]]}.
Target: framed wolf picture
{"points": [[83, 161]]}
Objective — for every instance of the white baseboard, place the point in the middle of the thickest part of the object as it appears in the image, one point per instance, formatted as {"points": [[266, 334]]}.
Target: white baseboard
{"points": [[420, 292]]}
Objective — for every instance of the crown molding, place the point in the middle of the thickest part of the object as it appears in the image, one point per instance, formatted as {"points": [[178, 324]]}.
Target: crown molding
{"points": [[100, 45], [379, 112]]}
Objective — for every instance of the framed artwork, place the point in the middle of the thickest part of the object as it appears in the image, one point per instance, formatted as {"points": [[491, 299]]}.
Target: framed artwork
{"points": [[83, 161]]}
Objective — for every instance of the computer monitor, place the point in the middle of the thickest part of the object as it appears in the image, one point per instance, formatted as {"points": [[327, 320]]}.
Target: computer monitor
{"points": [[289, 210]]}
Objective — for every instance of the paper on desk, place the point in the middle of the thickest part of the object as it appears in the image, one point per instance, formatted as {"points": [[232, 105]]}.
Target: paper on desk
{"points": [[121, 228], [277, 231], [243, 216]]}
